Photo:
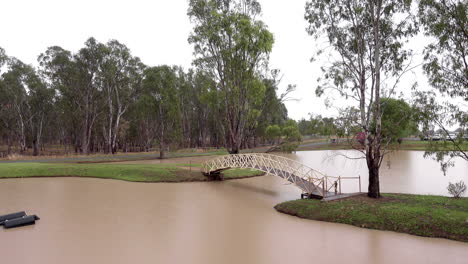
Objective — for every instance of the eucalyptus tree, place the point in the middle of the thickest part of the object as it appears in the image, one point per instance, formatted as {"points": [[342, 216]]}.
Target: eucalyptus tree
{"points": [[433, 113], [312, 126], [90, 60], [120, 76], [446, 59], [286, 138], [231, 44], [292, 136], [160, 84], [273, 133], [188, 103], [26, 103], [143, 123], [5, 109], [366, 38], [77, 81], [15, 93], [3, 57], [270, 109], [398, 119], [198, 107], [59, 68], [205, 103], [101, 98], [446, 66], [41, 104], [347, 123]]}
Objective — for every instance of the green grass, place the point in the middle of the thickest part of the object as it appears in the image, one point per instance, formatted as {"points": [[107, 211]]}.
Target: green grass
{"points": [[329, 146], [127, 172], [241, 173], [426, 145], [423, 215], [198, 154], [99, 157]]}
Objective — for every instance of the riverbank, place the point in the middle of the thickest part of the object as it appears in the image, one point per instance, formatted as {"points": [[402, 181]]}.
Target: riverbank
{"points": [[422, 215], [127, 172]]}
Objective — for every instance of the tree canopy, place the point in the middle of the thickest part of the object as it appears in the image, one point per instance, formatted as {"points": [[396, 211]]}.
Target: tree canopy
{"points": [[446, 59], [232, 45], [446, 67], [102, 98], [366, 39], [398, 119]]}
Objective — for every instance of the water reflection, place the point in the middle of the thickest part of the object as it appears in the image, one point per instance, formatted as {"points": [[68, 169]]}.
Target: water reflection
{"points": [[401, 171]]}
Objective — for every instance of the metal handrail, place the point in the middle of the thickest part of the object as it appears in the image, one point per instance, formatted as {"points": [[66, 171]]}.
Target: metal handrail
{"points": [[286, 168]]}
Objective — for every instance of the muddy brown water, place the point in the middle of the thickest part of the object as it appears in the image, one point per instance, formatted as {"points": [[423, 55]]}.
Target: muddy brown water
{"points": [[401, 171], [108, 221]]}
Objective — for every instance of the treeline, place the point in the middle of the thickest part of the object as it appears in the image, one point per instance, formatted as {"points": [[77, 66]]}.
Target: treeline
{"points": [[319, 126], [399, 119], [104, 99]]}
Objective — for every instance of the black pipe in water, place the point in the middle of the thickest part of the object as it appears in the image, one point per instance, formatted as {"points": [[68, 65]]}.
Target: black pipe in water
{"points": [[25, 220], [4, 218]]}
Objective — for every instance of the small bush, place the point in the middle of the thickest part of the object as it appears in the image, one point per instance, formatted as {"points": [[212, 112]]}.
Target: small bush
{"points": [[456, 189], [289, 147]]}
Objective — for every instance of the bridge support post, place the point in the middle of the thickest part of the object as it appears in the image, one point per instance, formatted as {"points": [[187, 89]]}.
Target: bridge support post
{"points": [[323, 187], [339, 180], [359, 183]]}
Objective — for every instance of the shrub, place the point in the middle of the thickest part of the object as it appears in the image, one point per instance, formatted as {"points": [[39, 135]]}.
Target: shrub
{"points": [[456, 189]]}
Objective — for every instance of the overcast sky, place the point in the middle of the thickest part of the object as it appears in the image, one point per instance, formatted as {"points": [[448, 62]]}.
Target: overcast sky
{"points": [[157, 32]]}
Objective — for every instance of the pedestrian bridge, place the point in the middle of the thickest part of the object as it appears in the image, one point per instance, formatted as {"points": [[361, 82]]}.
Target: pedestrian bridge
{"points": [[313, 183]]}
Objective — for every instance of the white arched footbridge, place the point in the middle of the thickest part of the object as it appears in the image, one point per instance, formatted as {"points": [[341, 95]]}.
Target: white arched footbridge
{"points": [[313, 183]]}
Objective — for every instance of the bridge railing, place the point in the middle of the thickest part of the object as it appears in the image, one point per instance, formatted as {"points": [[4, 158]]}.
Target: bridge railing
{"points": [[278, 165], [306, 178]]}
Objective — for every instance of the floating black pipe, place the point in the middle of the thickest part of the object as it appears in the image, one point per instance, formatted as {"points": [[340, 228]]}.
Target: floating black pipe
{"points": [[25, 220], [3, 218]]}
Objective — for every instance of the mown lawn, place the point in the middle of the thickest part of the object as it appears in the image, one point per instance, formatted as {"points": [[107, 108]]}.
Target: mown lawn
{"points": [[99, 157], [127, 172], [241, 173], [423, 215], [425, 145]]}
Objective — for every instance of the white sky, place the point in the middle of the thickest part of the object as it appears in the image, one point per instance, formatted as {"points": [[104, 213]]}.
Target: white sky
{"points": [[157, 32]]}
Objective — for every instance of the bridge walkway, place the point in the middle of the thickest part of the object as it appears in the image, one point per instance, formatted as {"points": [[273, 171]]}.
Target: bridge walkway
{"points": [[312, 183]]}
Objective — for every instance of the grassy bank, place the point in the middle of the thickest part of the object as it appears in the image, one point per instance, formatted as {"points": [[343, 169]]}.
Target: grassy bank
{"points": [[99, 157], [127, 172], [241, 173], [423, 215]]}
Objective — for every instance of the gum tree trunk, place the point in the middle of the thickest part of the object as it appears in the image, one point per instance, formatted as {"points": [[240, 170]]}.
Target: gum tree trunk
{"points": [[374, 153]]}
